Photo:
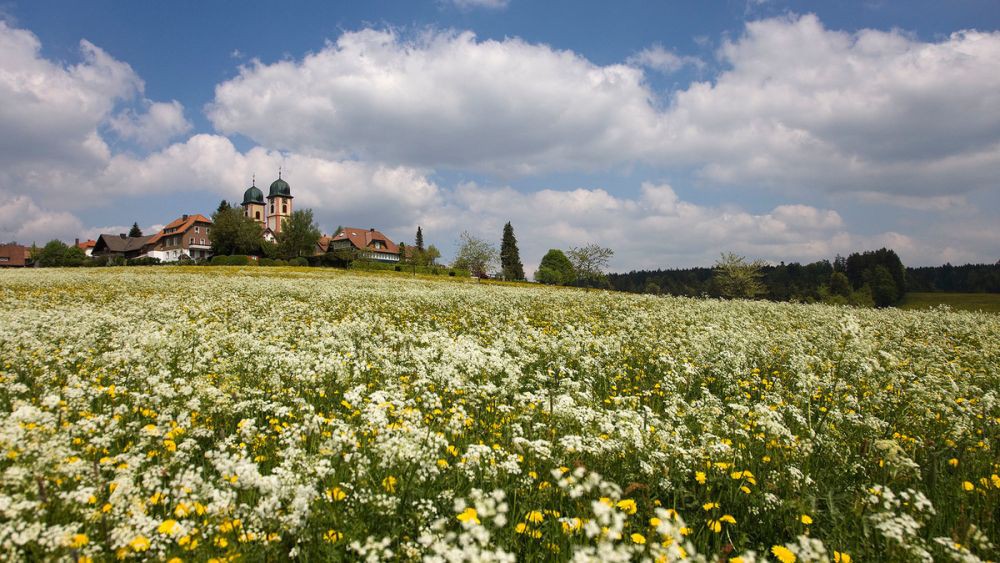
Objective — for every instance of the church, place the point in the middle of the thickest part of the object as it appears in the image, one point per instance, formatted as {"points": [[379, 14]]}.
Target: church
{"points": [[272, 214]]}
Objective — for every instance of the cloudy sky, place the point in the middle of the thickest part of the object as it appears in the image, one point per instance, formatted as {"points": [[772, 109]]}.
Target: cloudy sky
{"points": [[668, 131]]}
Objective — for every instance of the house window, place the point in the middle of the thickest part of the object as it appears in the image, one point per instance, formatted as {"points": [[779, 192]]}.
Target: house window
{"points": [[202, 241], [196, 230], [192, 240]]}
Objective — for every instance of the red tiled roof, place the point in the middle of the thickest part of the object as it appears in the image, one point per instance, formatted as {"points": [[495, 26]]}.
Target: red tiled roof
{"points": [[180, 225], [362, 239], [87, 244]]}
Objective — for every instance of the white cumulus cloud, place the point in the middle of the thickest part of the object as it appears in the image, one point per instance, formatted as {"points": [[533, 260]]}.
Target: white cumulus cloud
{"points": [[161, 122]]}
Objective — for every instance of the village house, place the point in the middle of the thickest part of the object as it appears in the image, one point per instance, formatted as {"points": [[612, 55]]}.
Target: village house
{"points": [[187, 236], [86, 246], [13, 255], [122, 246], [367, 244]]}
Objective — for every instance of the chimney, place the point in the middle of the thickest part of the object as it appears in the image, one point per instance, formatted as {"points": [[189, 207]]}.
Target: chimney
{"points": [[185, 217], [122, 235], [77, 242], [372, 229]]}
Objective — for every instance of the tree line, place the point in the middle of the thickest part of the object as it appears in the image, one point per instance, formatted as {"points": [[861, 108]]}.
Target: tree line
{"points": [[873, 278]]}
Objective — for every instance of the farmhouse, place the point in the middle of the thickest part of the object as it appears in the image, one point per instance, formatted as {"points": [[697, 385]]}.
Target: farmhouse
{"points": [[369, 244], [86, 246], [14, 255], [187, 235], [122, 246]]}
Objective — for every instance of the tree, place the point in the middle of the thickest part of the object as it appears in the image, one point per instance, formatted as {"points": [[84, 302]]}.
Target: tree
{"points": [[735, 278], [299, 235], [57, 254], [419, 242], [235, 233], [510, 258], [883, 287], [589, 263], [431, 255], [223, 205], [475, 255], [840, 285], [555, 269], [135, 231]]}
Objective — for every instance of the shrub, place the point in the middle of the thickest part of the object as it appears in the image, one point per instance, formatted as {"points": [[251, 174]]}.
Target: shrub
{"points": [[298, 261], [219, 260], [238, 260]]}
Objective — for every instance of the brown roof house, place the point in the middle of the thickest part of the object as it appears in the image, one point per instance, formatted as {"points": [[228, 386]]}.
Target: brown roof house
{"points": [[121, 245], [186, 236], [14, 255], [367, 244]]}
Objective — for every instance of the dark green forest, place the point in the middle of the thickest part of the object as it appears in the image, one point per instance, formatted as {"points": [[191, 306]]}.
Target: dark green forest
{"points": [[876, 278]]}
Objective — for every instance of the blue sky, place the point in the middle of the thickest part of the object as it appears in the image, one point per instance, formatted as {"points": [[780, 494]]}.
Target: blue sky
{"points": [[669, 131]]}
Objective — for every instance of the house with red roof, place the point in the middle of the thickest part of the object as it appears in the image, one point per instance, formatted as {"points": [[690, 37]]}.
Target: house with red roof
{"points": [[86, 246], [187, 236], [365, 243]]}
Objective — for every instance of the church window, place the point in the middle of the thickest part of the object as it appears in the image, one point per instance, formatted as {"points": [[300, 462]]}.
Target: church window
{"points": [[284, 208], [272, 209], [258, 215]]}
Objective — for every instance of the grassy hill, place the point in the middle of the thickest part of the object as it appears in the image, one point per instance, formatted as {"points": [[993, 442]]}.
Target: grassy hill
{"points": [[269, 413]]}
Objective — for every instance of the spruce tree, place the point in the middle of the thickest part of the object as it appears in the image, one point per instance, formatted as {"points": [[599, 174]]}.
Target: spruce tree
{"points": [[135, 231], [510, 258], [420, 240], [223, 205]]}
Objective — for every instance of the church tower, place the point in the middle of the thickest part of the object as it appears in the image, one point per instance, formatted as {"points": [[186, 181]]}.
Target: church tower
{"points": [[279, 204], [253, 203]]}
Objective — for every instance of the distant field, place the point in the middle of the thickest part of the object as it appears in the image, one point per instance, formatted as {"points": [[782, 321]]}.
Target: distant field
{"points": [[989, 302]]}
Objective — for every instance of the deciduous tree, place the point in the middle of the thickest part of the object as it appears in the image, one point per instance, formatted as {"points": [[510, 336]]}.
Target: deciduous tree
{"points": [[735, 278], [299, 235], [475, 255]]}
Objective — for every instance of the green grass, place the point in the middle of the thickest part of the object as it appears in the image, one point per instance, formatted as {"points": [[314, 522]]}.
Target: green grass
{"points": [[988, 302]]}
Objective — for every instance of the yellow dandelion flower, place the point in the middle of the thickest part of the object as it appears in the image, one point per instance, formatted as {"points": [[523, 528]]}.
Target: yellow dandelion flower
{"points": [[700, 477], [839, 557], [79, 540], [806, 519], [535, 517], [336, 494], [175, 560], [783, 554], [736, 560], [638, 538], [953, 462], [389, 484], [139, 543], [745, 489], [469, 515], [654, 522], [521, 527], [995, 479], [967, 486], [167, 527], [332, 536], [709, 506], [627, 506], [728, 518], [714, 525]]}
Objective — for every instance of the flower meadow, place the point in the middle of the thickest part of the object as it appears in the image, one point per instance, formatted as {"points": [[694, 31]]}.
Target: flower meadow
{"points": [[189, 414]]}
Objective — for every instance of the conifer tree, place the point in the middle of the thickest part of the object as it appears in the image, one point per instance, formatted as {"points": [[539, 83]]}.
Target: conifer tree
{"points": [[510, 257], [135, 231], [420, 240]]}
